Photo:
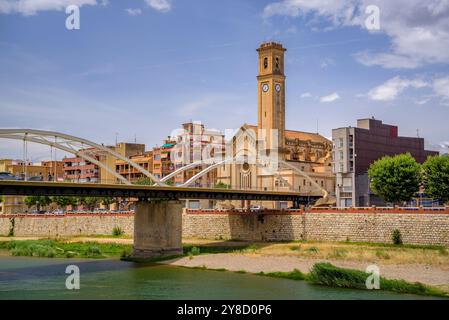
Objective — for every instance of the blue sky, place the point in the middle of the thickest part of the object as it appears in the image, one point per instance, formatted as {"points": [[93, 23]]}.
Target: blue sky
{"points": [[142, 67]]}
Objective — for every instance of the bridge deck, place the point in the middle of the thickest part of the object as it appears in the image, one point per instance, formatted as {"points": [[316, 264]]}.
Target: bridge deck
{"points": [[26, 188]]}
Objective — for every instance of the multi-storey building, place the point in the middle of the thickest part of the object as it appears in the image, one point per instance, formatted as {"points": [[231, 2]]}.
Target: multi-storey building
{"points": [[77, 169], [355, 149], [162, 164], [45, 171], [195, 143], [145, 160]]}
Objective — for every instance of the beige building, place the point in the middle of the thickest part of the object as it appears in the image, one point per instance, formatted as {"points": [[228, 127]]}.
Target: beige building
{"points": [[46, 170], [304, 158]]}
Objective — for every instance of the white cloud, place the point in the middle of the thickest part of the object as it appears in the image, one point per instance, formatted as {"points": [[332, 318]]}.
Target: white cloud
{"points": [[31, 7], [418, 30], [306, 95], [387, 60], [441, 87], [392, 88], [330, 98], [134, 12], [160, 5]]}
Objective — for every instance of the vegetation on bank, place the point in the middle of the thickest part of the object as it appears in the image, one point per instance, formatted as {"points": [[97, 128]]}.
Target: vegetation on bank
{"points": [[61, 249]]}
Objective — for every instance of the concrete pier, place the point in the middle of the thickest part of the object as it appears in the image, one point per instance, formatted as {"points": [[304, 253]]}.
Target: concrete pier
{"points": [[157, 228]]}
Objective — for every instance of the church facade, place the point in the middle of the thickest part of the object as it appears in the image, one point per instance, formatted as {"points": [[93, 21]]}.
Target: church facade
{"points": [[303, 159]]}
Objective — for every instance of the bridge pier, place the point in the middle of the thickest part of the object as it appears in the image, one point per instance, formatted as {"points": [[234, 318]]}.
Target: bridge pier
{"points": [[157, 228]]}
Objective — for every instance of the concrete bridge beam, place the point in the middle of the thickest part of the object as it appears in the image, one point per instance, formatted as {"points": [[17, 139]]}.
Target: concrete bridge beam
{"points": [[157, 228]]}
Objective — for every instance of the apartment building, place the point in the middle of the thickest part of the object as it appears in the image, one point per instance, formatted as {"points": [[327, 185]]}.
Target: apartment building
{"points": [[356, 148], [196, 143]]}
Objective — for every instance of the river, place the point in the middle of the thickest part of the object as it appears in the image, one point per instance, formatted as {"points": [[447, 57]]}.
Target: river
{"points": [[40, 278]]}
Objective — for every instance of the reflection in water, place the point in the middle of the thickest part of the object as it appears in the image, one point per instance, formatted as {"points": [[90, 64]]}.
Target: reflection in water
{"points": [[36, 278]]}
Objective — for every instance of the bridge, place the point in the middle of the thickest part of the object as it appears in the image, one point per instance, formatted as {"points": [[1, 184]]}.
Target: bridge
{"points": [[158, 212]]}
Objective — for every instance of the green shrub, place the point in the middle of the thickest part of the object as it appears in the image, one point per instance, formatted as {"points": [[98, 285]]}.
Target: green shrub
{"points": [[117, 231], [329, 275], [126, 253], [332, 276], [93, 251], [195, 251], [396, 237]]}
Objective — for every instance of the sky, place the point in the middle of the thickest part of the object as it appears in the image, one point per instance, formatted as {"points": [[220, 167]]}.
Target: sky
{"points": [[137, 69]]}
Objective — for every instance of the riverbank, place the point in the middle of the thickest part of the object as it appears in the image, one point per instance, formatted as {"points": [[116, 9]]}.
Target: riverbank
{"points": [[428, 265]]}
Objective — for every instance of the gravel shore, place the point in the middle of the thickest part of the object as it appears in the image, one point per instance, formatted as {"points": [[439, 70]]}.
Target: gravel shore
{"points": [[254, 263]]}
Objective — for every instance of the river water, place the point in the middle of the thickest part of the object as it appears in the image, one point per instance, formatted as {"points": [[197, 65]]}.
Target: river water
{"points": [[39, 278]]}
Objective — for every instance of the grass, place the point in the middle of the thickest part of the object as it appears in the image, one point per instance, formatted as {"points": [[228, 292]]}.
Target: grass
{"points": [[61, 249], [117, 232], [332, 276], [360, 252]]}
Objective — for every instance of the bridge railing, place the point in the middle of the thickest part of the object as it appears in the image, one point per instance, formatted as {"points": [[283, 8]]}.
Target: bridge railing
{"points": [[311, 193]]}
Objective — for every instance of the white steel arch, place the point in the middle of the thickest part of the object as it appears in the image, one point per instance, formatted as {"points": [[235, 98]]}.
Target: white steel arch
{"points": [[70, 144], [77, 153], [209, 162], [305, 175]]}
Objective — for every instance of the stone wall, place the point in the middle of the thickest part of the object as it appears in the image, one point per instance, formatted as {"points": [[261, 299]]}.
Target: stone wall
{"points": [[66, 225], [369, 225]]}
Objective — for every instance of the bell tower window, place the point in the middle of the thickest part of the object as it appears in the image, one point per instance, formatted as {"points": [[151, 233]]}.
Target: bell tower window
{"points": [[277, 63], [265, 62]]}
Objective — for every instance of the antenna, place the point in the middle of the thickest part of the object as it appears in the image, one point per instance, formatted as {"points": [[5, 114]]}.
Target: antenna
{"points": [[417, 133], [317, 131]]}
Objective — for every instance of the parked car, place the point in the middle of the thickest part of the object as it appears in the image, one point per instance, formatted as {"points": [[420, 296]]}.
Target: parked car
{"points": [[36, 178], [7, 176], [256, 208], [58, 211]]}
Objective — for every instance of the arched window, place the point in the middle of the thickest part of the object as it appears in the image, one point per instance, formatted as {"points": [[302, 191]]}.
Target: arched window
{"points": [[265, 62], [277, 63]]}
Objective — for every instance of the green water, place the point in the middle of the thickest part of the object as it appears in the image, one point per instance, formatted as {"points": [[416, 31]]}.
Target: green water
{"points": [[38, 278]]}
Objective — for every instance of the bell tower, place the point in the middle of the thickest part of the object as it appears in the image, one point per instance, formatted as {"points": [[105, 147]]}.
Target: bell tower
{"points": [[271, 93]]}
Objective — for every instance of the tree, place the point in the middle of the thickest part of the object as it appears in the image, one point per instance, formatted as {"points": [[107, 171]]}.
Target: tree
{"points": [[90, 202], [64, 201], [38, 201], [436, 177], [145, 181], [222, 185], [106, 201], [395, 179]]}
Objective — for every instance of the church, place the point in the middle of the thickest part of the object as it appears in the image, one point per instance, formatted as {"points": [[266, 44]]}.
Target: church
{"points": [[304, 159]]}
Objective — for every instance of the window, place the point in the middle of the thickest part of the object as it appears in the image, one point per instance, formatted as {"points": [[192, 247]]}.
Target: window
{"points": [[265, 62], [341, 142], [277, 63], [341, 167], [341, 155]]}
